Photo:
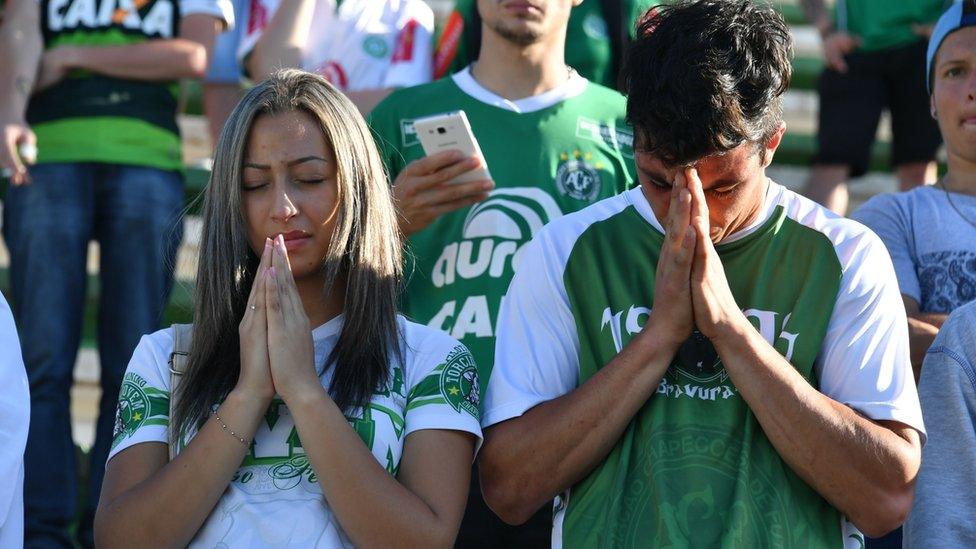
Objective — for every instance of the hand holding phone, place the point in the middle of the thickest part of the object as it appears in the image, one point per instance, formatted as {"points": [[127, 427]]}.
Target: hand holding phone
{"points": [[451, 131]]}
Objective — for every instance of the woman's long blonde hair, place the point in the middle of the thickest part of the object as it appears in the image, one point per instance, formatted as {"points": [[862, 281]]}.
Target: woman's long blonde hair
{"points": [[365, 252]]}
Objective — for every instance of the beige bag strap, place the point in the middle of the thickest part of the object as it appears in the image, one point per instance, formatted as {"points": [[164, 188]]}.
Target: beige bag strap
{"points": [[182, 335]]}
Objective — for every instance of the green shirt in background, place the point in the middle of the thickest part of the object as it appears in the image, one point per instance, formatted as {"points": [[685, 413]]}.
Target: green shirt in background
{"points": [[588, 44], [89, 117], [884, 24], [552, 157]]}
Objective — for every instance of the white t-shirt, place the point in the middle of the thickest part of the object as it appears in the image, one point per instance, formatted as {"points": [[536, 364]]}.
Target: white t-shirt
{"points": [[14, 419], [931, 236], [274, 498], [359, 44]]}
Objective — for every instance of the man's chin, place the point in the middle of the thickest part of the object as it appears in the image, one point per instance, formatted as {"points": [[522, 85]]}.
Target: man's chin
{"points": [[520, 35]]}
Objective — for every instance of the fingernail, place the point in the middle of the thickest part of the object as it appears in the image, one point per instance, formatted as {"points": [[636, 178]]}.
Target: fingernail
{"points": [[488, 185], [267, 243]]}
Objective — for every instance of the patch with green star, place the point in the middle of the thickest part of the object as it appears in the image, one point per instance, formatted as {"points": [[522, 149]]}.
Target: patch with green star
{"points": [[459, 381], [140, 404]]}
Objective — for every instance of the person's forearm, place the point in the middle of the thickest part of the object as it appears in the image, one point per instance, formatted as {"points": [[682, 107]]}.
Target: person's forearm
{"points": [[817, 14], [373, 508], [921, 334], [283, 40], [19, 33], [526, 461], [187, 488], [152, 60], [865, 470]]}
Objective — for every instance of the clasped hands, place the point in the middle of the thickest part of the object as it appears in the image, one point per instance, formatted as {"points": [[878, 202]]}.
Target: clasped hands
{"points": [[277, 354], [691, 290]]}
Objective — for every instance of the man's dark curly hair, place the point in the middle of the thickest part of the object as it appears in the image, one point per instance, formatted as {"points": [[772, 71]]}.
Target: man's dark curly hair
{"points": [[705, 76]]}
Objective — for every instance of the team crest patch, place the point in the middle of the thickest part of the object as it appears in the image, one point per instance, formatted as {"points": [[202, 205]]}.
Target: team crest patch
{"points": [[459, 382], [375, 46], [133, 409], [577, 178]]}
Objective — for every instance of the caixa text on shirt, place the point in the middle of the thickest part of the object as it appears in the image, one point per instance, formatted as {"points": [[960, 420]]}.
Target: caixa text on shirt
{"points": [[150, 18]]}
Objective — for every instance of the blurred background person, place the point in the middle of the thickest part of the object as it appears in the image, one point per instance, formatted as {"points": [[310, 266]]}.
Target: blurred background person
{"points": [[222, 86], [366, 48], [875, 56], [109, 164], [930, 231], [596, 37], [14, 418]]}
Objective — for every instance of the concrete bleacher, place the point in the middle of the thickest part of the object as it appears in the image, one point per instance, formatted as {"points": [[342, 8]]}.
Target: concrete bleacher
{"points": [[800, 108]]}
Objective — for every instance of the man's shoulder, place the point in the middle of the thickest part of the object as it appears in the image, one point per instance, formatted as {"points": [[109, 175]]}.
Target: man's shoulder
{"points": [[433, 96], [565, 231], [602, 99], [849, 238]]}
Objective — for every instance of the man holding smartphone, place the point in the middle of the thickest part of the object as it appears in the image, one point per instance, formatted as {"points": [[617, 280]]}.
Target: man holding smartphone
{"points": [[553, 142]]}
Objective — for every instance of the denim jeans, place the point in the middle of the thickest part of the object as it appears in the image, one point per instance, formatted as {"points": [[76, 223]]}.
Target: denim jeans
{"points": [[134, 214]]}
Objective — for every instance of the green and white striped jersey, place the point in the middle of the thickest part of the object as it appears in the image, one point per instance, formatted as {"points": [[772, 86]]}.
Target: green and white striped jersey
{"points": [[693, 467]]}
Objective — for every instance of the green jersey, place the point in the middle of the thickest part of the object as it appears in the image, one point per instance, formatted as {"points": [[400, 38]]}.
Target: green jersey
{"points": [[90, 117], [548, 155], [883, 24], [588, 40], [694, 467]]}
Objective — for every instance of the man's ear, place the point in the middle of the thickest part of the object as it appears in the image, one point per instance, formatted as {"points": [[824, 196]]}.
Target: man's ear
{"points": [[770, 149]]}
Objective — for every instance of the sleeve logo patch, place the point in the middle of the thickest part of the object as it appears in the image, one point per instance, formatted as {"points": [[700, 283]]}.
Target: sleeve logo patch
{"points": [[459, 382], [133, 409]]}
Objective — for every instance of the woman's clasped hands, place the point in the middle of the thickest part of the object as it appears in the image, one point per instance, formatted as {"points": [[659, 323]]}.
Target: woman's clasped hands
{"points": [[277, 354]]}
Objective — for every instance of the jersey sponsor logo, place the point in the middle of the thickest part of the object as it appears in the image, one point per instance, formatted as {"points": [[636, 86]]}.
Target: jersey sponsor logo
{"points": [[577, 178], [447, 46], [408, 134], [403, 52], [698, 371], [459, 382], [152, 18], [595, 27], [600, 132], [375, 46], [493, 236]]}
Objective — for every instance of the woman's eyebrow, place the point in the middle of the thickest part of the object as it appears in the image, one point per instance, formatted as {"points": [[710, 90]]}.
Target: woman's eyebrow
{"points": [[290, 163]]}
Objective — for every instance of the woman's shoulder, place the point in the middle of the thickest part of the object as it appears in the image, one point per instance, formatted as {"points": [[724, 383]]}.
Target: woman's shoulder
{"points": [[150, 360], [425, 348]]}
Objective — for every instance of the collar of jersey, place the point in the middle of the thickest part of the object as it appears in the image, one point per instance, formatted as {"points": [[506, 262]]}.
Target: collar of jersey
{"points": [[774, 192], [331, 327], [574, 86]]}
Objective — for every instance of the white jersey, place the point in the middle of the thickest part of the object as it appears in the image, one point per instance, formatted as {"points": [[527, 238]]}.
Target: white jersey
{"points": [[275, 499], [359, 44]]}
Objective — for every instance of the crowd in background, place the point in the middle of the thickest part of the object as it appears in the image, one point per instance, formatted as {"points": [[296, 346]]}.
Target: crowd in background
{"points": [[91, 151]]}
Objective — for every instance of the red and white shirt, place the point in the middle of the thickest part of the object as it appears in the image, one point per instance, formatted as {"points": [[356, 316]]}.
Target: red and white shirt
{"points": [[359, 44]]}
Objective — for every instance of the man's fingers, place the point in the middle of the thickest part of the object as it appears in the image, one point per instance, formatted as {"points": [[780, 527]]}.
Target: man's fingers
{"points": [[423, 183], [452, 192]]}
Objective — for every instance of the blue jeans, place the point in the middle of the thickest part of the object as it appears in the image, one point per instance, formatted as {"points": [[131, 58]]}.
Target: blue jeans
{"points": [[134, 214]]}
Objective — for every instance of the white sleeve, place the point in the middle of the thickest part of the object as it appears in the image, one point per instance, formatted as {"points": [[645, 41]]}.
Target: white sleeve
{"points": [[864, 360], [442, 387], [537, 345], [887, 216], [142, 414], [221, 9], [259, 13], [412, 62], [14, 418]]}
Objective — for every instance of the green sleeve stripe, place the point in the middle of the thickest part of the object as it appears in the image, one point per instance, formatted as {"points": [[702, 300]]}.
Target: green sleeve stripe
{"points": [[423, 402], [429, 386]]}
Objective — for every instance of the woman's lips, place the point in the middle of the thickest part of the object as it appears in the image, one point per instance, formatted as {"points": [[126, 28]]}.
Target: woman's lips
{"points": [[295, 239]]}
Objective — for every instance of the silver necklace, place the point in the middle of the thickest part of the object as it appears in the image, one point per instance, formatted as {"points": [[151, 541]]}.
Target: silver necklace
{"points": [[953, 204]]}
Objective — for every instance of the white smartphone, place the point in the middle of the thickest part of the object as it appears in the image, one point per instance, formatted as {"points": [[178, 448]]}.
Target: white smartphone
{"points": [[451, 131]]}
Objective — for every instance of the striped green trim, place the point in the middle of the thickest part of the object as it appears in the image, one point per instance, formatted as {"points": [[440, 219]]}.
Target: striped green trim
{"points": [[111, 140]]}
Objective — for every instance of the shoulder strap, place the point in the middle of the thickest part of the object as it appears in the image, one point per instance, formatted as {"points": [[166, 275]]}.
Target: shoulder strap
{"points": [[182, 335]]}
